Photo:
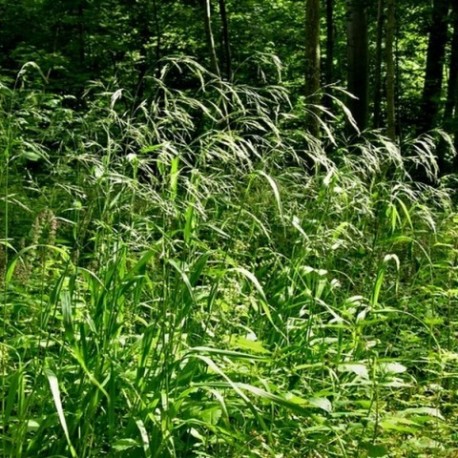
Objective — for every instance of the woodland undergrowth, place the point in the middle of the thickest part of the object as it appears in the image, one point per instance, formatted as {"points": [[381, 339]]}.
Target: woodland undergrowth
{"points": [[196, 276]]}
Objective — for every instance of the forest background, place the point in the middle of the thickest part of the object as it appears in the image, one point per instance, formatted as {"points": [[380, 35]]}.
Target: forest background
{"points": [[228, 228]]}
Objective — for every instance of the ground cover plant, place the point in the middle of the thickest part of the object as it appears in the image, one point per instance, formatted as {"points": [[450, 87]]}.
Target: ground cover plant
{"points": [[195, 276]]}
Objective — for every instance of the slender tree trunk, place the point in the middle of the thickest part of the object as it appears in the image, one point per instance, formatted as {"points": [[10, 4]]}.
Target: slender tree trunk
{"points": [[210, 38], [329, 64], [226, 42], [452, 87], [158, 34], [329, 74], [312, 63], [378, 65], [390, 70], [397, 70], [451, 106], [435, 57], [358, 62]]}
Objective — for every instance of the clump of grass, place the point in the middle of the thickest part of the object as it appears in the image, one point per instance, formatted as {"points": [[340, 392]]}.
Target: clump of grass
{"points": [[202, 281]]}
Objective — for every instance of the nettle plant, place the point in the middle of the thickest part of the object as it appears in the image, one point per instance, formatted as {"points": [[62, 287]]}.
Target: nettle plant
{"points": [[203, 279]]}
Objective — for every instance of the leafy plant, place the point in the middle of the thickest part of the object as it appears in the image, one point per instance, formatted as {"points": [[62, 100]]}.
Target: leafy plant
{"points": [[199, 280]]}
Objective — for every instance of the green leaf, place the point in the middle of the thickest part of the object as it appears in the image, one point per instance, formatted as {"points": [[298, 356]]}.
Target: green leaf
{"points": [[264, 304], [174, 174], [356, 368], [54, 385], [220, 352], [247, 344], [66, 302], [122, 445], [392, 368], [375, 451], [428, 411], [31, 156], [212, 415], [399, 424], [197, 268], [32, 425], [275, 190], [144, 436], [150, 149], [321, 403], [140, 267]]}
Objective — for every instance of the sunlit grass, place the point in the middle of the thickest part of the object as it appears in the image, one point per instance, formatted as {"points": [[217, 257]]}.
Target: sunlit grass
{"points": [[198, 278]]}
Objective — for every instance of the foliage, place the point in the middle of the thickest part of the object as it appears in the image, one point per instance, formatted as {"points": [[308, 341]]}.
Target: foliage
{"points": [[196, 277], [121, 43]]}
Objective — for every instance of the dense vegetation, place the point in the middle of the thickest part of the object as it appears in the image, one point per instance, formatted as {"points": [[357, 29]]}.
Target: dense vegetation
{"points": [[206, 263]]}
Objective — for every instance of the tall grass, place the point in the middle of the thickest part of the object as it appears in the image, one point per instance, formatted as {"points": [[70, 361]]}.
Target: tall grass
{"points": [[200, 278]]}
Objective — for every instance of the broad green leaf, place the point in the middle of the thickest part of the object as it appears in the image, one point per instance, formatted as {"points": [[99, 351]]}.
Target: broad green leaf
{"points": [[321, 403], [356, 368], [212, 415], [247, 344], [122, 445], [399, 424], [376, 451]]}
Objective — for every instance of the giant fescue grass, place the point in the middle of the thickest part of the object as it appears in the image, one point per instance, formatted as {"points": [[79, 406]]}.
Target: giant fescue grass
{"points": [[196, 277]]}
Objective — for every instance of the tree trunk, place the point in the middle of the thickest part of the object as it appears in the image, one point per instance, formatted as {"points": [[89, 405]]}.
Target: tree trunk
{"points": [[329, 64], [451, 106], [390, 71], [452, 87], [430, 105], [358, 62], [210, 38], [312, 63], [225, 38], [378, 66], [158, 34], [329, 42]]}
